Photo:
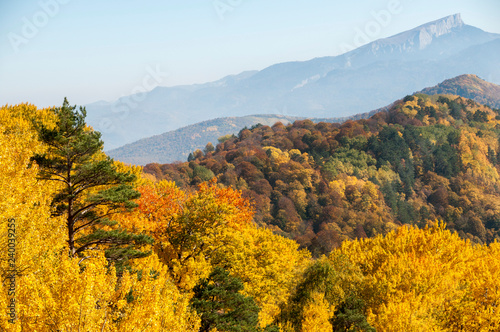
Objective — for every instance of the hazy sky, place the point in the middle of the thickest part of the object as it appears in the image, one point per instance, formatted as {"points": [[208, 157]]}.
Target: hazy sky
{"points": [[90, 50]]}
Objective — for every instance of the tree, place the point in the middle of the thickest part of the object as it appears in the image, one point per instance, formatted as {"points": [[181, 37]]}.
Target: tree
{"points": [[92, 189], [220, 305], [188, 227], [326, 285], [209, 148], [317, 314], [350, 316], [267, 264]]}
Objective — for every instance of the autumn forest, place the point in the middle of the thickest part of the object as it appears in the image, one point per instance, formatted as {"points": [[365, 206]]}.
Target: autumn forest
{"points": [[383, 224]]}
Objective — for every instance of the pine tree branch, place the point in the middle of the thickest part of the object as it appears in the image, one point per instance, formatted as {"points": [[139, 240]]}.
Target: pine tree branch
{"points": [[93, 221], [88, 244]]}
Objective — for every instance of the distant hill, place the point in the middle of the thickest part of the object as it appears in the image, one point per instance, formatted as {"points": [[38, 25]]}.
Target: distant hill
{"points": [[176, 145], [358, 81], [468, 86]]}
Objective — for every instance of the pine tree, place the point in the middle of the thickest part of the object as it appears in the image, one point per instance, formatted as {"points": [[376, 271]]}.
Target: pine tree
{"points": [[220, 305], [350, 316], [92, 188]]}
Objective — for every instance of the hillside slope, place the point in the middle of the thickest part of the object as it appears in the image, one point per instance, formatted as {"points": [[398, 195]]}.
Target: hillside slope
{"points": [[177, 144], [468, 86], [427, 158]]}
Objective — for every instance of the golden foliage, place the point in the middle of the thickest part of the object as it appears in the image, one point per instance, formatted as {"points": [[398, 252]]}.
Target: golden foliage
{"points": [[267, 264], [427, 280], [53, 292], [408, 280], [277, 156], [188, 227], [317, 314]]}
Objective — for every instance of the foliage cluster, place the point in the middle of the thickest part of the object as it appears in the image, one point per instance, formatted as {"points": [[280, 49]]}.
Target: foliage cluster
{"points": [[409, 280]]}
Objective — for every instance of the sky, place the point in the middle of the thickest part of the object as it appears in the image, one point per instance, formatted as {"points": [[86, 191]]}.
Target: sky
{"points": [[91, 50]]}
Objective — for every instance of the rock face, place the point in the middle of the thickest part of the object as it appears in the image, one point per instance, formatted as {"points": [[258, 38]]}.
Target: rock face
{"points": [[358, 81], [439, 28], [413, 41], [422, 36]]}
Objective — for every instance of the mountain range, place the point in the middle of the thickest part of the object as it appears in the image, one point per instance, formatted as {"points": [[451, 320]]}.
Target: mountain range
{"points": [[358, 81]]}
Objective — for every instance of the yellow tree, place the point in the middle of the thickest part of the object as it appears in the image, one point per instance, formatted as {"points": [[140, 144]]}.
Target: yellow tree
{"points": [[44, 284], [317, 314], [188, 227], [268, 265], [427, 280], [150, 301]]}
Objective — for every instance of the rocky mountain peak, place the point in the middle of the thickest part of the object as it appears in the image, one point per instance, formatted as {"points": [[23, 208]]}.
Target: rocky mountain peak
{"points": [[437, 28]]}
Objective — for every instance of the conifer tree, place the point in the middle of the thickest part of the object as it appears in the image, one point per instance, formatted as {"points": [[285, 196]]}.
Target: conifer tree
{"points": [[220, 305], [92, 188], [350, 316]]}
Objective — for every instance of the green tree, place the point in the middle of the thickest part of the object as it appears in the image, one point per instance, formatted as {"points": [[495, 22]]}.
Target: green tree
{"points": [[92, 188], [203, 173], [350, 316], [390, 146], [339, 281], [220, 305], [225, 138]]}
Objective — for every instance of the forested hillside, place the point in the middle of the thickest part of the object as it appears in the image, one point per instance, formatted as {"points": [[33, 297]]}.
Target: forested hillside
{"points": [[427, 157], [90, 244], [176, 145]]}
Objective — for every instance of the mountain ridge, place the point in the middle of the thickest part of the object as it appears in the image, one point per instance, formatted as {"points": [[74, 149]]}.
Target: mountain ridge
{"points": [[330, 86]]}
